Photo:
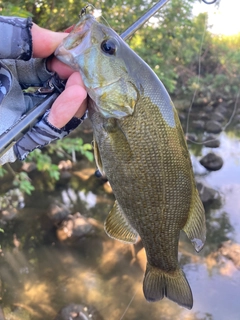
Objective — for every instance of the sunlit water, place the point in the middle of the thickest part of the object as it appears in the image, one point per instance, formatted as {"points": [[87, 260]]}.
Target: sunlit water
{"points": [[216, 290], [40, 275]]}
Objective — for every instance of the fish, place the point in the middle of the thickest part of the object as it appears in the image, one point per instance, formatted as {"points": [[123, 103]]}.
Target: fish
{"points": [[139, 145]]}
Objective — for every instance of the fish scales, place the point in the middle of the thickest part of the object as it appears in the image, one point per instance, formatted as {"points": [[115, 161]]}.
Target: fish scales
{"points": [[144, 206], [140, 146]]}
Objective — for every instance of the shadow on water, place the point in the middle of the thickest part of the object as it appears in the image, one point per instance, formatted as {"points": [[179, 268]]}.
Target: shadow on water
{"points": [[54, 252]]}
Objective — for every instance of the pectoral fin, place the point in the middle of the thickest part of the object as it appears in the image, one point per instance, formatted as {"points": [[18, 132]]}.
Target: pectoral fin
{"points": [[117, 226], [97, 157], [195, 227]]}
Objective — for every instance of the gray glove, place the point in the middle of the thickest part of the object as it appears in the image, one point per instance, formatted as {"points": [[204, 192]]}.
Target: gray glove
{"points": [[16, 38], [15, 74], [42, 134]]}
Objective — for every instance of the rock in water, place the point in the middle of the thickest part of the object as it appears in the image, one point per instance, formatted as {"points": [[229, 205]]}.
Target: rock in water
{"points": [[78, 312], [211, 142], [212, 162], [213, 126]]}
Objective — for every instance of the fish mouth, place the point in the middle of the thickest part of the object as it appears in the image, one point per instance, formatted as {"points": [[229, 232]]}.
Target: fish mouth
{"points": [[63, 55], [66, 55], [70, 46]]}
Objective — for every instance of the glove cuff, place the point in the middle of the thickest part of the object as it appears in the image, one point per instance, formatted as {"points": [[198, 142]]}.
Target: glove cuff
{"points": [[42, 134]]}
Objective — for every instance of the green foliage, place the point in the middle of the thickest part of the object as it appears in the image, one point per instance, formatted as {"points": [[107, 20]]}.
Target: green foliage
{"points": [[2, 171], [70, 145], [168, 42], [219, 66], [44, 163], [23, 182], [44, 160], [9, 9]]}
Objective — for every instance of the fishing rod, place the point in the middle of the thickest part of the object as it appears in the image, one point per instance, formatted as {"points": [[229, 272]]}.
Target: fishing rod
{"points": [[146, 16], [54, 87], [143, 19]]}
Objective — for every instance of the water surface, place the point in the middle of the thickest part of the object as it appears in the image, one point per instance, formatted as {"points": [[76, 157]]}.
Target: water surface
{"points": [[41, 274]]}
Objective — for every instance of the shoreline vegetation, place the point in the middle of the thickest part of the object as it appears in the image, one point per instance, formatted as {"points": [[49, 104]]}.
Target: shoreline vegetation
{"points": [[199, 69]]}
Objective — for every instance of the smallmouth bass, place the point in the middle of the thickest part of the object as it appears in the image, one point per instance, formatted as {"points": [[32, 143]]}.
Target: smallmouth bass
{"points": [[140, 146]]}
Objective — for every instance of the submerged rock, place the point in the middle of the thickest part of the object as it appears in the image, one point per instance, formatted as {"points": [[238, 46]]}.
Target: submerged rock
{"points": [[198, 124], [204, 115], [76, 226], [208, 108], [7, 215], [29, 166], [191, 137], [58, 211], [211, 142], [207, 194], [65, 165], [10, 203], [222, 108], [231, 251], [212, 162], [217, 116], [213, 126], [78, 312]]}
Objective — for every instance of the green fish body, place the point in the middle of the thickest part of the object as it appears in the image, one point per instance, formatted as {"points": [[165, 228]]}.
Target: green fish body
{"points": [[140, 146]]}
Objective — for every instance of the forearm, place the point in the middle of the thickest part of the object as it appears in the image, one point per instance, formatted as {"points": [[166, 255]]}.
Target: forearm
{"points": [[16, 38]]}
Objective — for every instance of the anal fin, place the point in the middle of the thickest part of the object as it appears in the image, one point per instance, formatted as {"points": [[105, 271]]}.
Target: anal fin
{"points": [[195, 228], [117, 226]]}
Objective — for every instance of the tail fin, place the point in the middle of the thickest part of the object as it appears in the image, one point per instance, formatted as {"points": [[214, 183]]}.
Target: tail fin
{"points": [[174, 286]]}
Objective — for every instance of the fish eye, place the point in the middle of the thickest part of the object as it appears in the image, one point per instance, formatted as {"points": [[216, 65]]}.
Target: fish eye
{"points": [[109, 47], [98, 174]]}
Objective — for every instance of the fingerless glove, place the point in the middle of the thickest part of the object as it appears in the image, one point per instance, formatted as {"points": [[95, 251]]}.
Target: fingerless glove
{"points": [[42, 134]]}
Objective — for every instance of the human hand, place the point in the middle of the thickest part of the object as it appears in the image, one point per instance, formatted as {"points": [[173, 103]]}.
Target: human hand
{"points": [[67, 111], [72, 101]]}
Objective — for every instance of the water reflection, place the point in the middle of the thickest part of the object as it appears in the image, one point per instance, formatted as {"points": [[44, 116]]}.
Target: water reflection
{"points": [[41, 273]]}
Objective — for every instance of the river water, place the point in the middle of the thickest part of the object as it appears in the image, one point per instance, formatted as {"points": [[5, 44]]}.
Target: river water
{"points": [[44, 267]]}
